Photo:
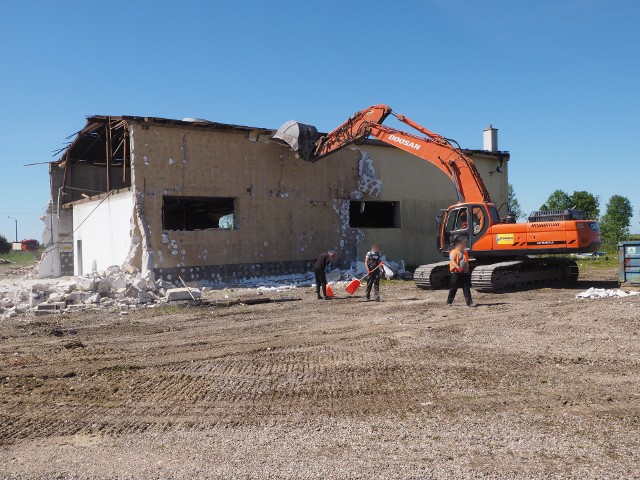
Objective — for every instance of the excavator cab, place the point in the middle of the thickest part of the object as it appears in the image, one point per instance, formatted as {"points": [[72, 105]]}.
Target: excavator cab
{"points": [[468, 222], [456, 227]]}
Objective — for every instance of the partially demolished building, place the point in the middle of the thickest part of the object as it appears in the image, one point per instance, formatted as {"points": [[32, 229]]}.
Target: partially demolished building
{"points": [[221, 203]]}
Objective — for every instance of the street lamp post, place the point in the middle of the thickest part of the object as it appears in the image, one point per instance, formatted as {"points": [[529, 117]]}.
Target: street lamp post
{"points": [[16, 220]]}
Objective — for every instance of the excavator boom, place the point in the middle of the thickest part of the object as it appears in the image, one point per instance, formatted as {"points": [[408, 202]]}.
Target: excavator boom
{"points": [[474, 219], [431, 147]]}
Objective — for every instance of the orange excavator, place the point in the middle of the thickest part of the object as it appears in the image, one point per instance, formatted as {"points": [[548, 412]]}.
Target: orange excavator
{"points": [[507, 254]]}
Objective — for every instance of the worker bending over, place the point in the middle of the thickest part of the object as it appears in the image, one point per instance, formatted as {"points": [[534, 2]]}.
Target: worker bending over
{"points": [[460, 276], [374, 263], [319, 269]]}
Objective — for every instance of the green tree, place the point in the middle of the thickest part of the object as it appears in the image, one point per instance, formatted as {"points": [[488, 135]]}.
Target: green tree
{"points": [[615, 223], [558, 200], [581, 200], [5, 245], [587, 202], [514, 204]]}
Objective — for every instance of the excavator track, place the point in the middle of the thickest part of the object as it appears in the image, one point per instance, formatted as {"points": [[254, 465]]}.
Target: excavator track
{"points": [[511, 275], [433, 276], [522, 274]]}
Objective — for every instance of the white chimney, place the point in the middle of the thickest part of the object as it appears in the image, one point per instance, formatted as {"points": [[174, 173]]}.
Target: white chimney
{"points": [[490, 139]]}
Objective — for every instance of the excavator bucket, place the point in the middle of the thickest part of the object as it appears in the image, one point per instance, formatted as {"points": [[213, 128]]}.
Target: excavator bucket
{"points": [[300, 137]]}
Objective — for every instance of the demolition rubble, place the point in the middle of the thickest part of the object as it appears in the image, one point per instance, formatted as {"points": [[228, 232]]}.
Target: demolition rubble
{"points": [[124, 288], [113, 288]]}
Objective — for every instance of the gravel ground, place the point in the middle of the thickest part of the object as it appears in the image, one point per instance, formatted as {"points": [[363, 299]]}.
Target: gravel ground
{"points": [[532, 384]]}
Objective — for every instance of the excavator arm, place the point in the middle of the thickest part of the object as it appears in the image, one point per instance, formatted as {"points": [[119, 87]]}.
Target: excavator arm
{"points": [[433, 148]]}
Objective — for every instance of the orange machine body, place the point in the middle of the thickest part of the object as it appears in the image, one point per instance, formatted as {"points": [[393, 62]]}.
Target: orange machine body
{"points": [[488, 235]]}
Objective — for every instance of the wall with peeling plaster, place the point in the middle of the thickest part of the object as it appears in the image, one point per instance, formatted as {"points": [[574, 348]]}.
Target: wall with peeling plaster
{"points": [[422, 191], [286, 209]]}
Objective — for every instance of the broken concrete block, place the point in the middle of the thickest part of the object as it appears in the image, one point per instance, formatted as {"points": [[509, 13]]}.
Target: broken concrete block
{"points": [[76, 308], [132, 292], [140, 284], [55, 306], [78, 297], [56, 297], [83, 283], [145, 297], [175, 294], [119, 282], [95, 298], [103, 286]]}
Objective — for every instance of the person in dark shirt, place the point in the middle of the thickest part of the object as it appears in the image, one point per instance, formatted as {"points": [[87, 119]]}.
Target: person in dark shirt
{"points": [[373, 261], [319, 269]]}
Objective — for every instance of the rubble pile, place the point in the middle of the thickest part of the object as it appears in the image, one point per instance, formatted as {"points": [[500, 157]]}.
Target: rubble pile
{"points": [[115, 287], [123, 288]]}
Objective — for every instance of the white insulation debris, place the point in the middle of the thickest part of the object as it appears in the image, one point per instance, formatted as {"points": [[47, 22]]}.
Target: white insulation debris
{"points": [[605, 293]]}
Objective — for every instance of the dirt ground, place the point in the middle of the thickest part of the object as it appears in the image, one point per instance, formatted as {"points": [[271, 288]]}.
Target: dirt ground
{"points": [[532, 384]]}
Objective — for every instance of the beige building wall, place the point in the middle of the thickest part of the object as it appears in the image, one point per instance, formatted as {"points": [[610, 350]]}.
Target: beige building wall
{"points": [[422, 191], [287, 210]]}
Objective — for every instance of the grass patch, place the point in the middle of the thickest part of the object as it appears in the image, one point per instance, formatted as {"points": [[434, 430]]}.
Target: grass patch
{"points": [[19, 259], [608, 261]]}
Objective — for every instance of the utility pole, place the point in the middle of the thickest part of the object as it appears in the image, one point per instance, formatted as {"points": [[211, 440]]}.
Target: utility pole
{"points": [[16, 220]]}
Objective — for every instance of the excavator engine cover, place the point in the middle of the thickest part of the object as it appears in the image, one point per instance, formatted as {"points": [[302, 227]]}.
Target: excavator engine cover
{"points": [[300, 137]]}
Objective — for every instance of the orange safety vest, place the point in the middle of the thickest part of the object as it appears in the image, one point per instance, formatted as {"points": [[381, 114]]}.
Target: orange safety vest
{"points": [[457, 260]]}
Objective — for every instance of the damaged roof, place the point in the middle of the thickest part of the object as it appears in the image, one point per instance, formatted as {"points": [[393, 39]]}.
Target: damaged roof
{"points": [[89, 141], [186, 122]]}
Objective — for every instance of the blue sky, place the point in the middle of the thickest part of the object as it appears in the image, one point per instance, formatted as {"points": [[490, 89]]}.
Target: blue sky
{"points": [[560, 79]]}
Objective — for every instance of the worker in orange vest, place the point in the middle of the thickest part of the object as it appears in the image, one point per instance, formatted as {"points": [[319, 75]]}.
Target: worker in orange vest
{"points": [[460, 275]]}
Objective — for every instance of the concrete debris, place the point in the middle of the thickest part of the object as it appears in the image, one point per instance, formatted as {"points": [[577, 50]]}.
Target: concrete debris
{"points": [[104, 286], [119, 282], [112, 288], [147, 297], [174, 294], [126, 288], [281, 283], [84, 283], [52, 306], [606, 292], [95, 298]]}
